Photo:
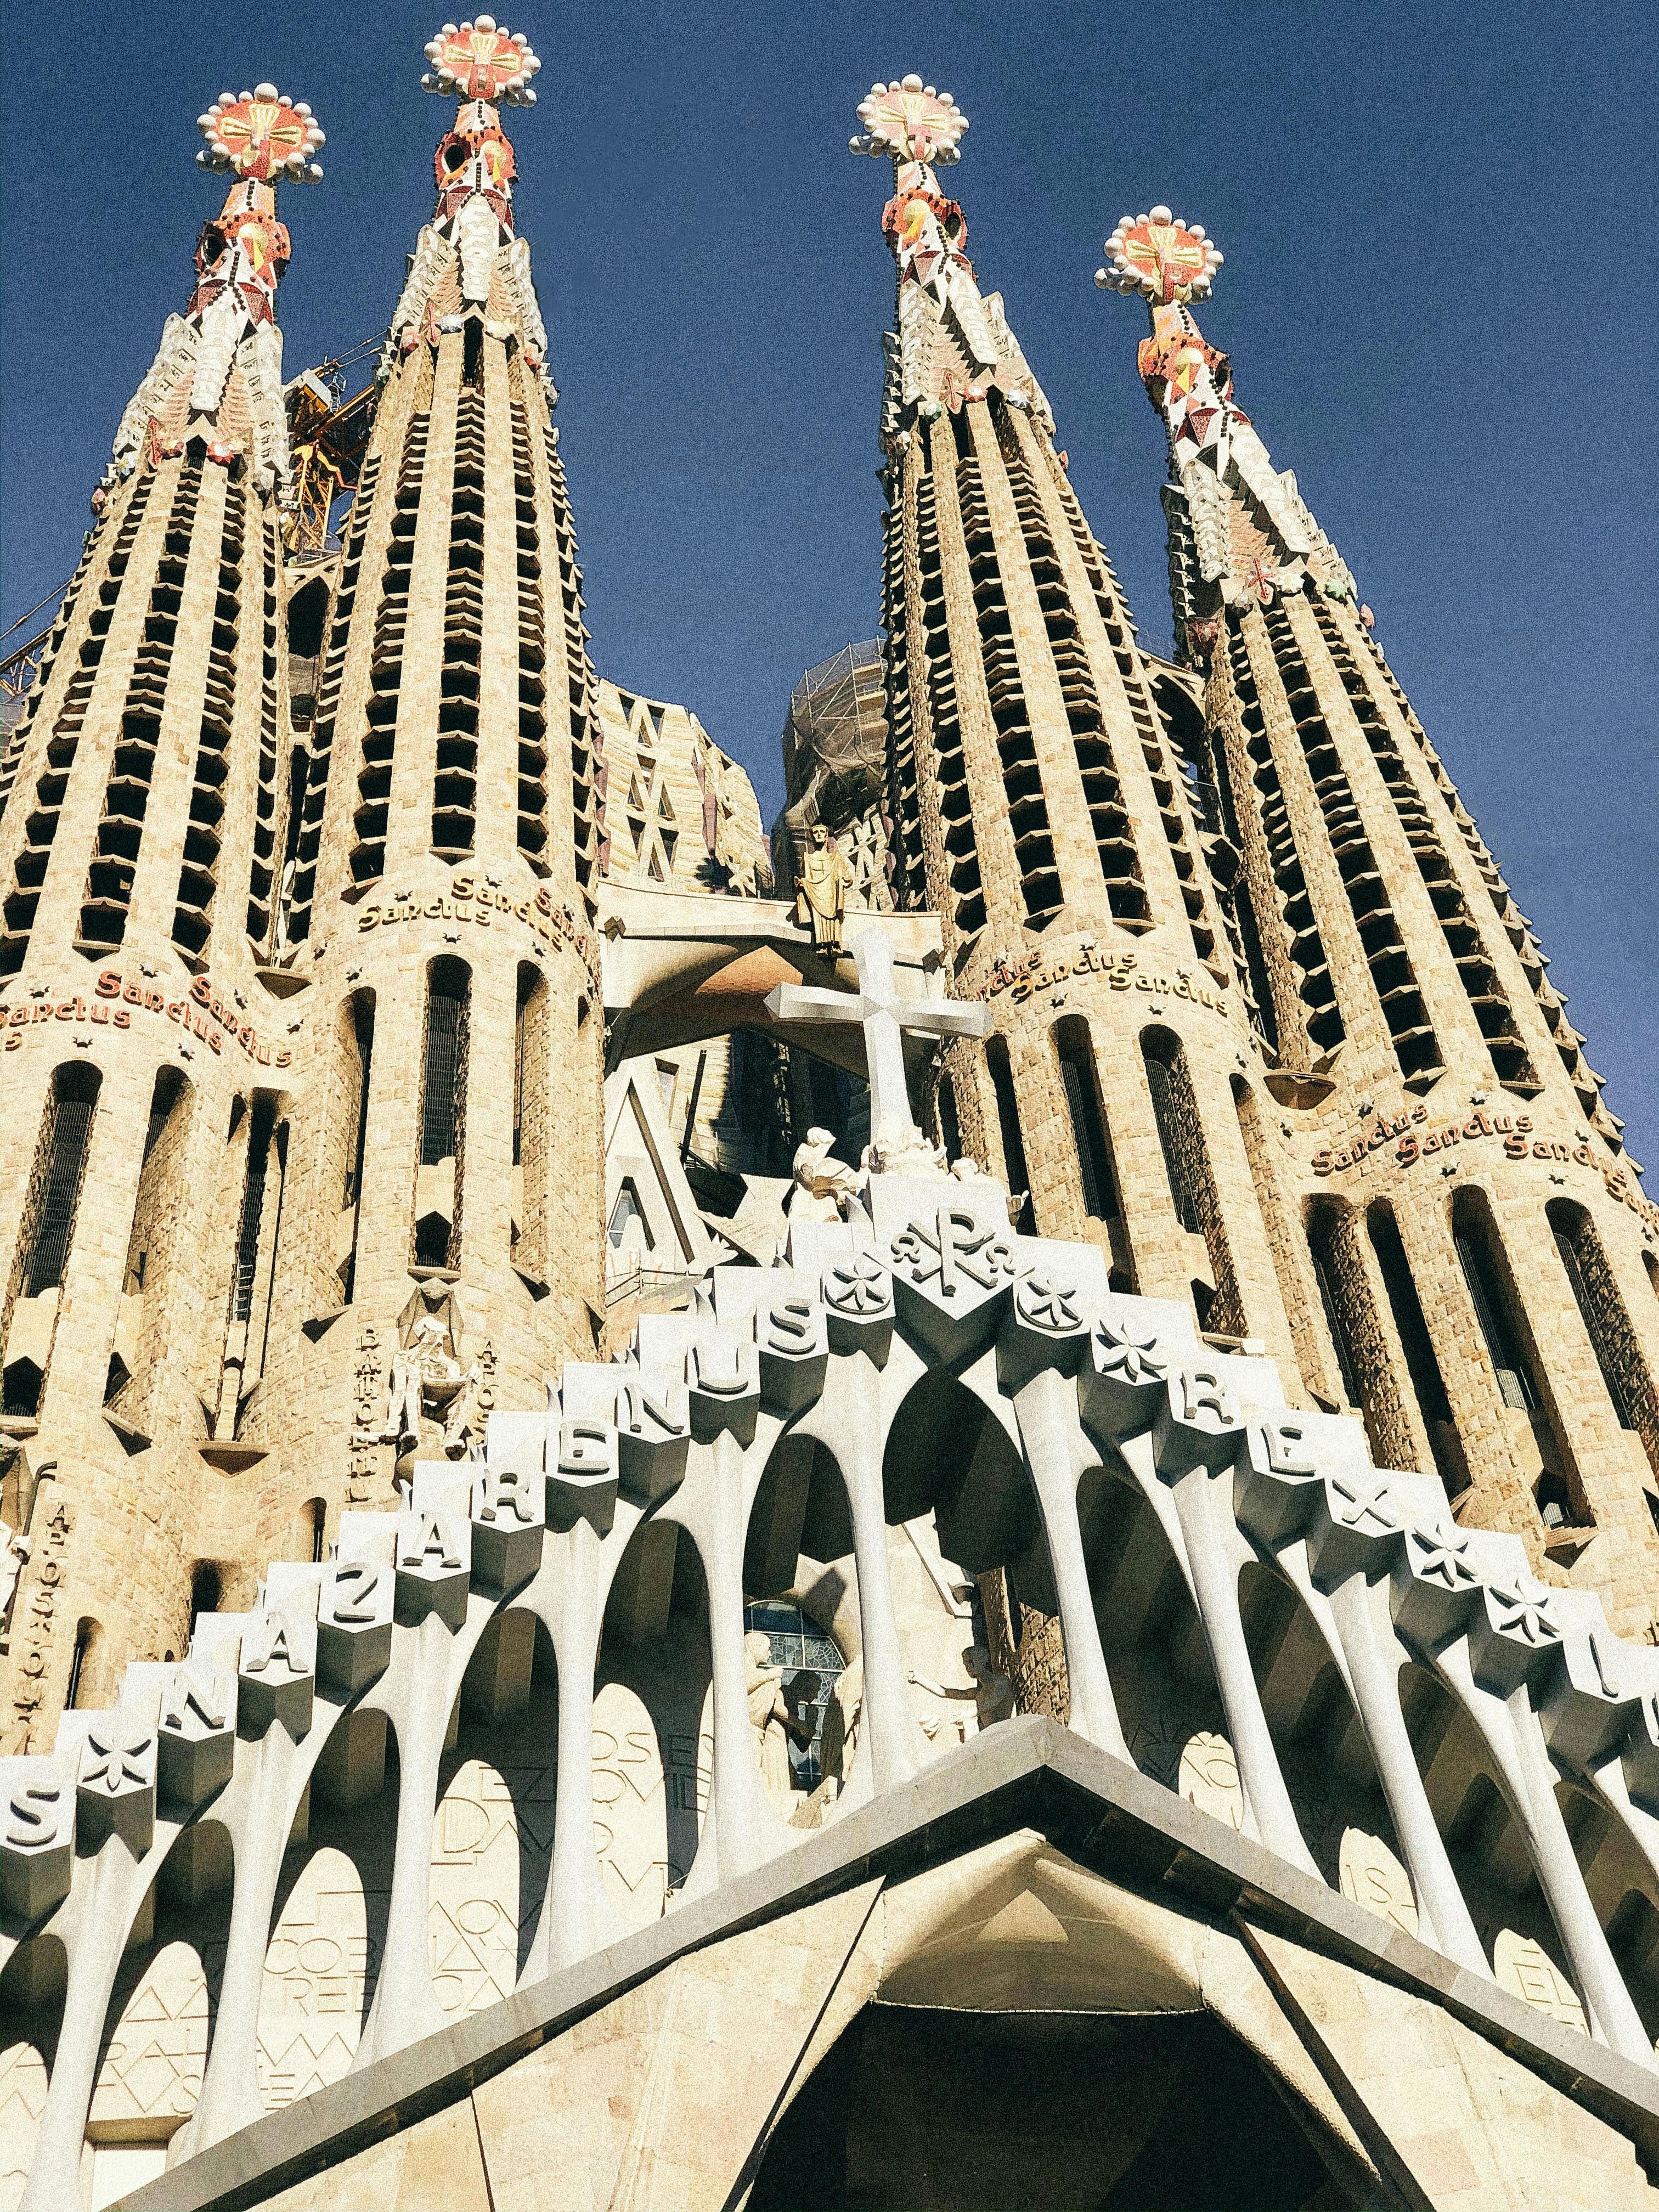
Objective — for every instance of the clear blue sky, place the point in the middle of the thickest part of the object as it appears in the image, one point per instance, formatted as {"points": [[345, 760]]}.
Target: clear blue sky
{"points": [[1438, 296]]}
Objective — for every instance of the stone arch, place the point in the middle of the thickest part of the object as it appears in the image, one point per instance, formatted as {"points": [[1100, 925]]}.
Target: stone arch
{"points": [[31, 2015], [1484, 1840], [1620, 1879], [652, 1729], [798, 1561], [328, 1918], [972, 2077], [1633, 1932], [158, 2019], [1323, 1751], [492, 1832], [1162, 1682], [949, 1464]]}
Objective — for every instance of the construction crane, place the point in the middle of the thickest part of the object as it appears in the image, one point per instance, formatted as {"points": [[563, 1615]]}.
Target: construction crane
{"points": [[327, 437]]}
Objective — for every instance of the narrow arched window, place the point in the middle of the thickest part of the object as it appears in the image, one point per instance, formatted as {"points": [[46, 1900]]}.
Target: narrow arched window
{"points": [[1410, 1327], [42, 1254], [1490, 1296], [949, 1127], [1074, 1048], [1337, 1251], [1013, 1144], [443, 1113], [356, 1063], [1161, 1081], [206, 1588], [1606, 1321], [66, 1136], [82, 1676], [443, 1076]]}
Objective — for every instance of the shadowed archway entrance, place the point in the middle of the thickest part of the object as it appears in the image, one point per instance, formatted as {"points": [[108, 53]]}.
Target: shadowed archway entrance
{"points": [[916, 2109]]}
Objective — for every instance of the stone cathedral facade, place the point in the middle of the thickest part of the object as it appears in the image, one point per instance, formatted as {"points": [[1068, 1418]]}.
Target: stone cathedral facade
{"points": [[1098, 1640]]}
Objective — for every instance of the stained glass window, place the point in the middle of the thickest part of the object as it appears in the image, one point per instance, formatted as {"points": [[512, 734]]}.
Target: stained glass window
{"points": [[799, 1646]]}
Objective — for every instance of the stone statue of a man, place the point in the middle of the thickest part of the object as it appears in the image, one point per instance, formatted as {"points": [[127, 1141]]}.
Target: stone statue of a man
{"points": [[826, 876], [425, 1376], [825, 1187]]}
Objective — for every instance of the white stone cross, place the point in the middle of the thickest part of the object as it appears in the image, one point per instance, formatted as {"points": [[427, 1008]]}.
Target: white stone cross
{"points": [[884, 1017]]}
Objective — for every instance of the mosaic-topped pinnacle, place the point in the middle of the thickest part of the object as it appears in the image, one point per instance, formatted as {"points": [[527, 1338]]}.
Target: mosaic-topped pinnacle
{"points": [[1161, 256], [481, 60], [907, 120], [262, 136]]}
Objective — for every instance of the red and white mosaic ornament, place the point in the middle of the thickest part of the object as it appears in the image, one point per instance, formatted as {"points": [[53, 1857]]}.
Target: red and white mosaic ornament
{"points": [[481, 60], [1163, 257], [907, 120], [263, 136]]}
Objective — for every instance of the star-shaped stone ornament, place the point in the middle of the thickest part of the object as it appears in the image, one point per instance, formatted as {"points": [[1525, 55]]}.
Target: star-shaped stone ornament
{"points": [[858, 1300], [1436, 1585], [115, 1787], [1124, 1375], [1048, 1326], [1513, 1633]]}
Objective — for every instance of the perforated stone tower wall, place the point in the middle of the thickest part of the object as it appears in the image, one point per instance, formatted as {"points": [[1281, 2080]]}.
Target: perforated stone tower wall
{"points": [[1270, 1028]]}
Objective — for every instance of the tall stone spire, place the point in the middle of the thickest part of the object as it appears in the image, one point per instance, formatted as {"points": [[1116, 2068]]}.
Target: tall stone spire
{"points": [[1238, 527], [1039, 798], [218, 373], [951, 339], [436, 886], [172, 664], [1479, 1274], [470, 237], [139, 853]]}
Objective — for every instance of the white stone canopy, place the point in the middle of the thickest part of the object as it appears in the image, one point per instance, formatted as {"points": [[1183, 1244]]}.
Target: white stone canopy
{"points": [[859, 1350]]}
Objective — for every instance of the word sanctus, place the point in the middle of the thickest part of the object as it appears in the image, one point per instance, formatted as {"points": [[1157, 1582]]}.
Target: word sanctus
{"points": [[204, 1013], [1412, 1141], [1122, 971], [468, 902]]}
